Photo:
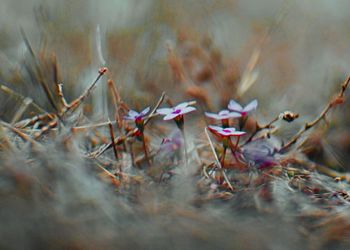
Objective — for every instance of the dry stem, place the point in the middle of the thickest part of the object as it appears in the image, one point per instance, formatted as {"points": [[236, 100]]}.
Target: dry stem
{"points": [[339, 99]]}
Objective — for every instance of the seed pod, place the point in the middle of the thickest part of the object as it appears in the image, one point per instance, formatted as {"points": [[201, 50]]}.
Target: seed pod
{"points": [[289, 116]]}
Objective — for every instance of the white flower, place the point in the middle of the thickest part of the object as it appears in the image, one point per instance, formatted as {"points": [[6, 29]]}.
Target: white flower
{"points": [[179, 110], [236, 107]]}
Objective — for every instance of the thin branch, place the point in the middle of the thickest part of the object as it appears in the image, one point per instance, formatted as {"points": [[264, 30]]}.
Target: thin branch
{"points": [[31, 121], [83, 127], [16, 95], [19, 133], [152, 114], [259, 128], [26, 102], [217, 159], [116, 101], [61, 95], [339, 99], [40, 78], [112, 139], [45, 129], [74, 104]]}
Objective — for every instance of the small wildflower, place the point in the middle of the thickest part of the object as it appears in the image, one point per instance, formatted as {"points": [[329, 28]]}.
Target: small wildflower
{"points": [[236, 107], [225, 132], [260, 153], [138, 118], [171, 145], [135, 116], [177, 111], [223, 114]]}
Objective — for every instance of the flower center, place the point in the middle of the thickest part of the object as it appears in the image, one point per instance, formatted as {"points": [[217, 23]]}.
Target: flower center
{"points": [[177, 111]]}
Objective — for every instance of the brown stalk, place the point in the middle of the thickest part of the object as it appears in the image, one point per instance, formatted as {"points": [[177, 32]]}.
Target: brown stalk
{"points": [[259, 128], [88, 126], [153, 112], [145, 149], [338, 99], [118, 106], [26, 102], [112, 139], [20, 133], [74, 104], [40, 78], [20, 97], [116, 101], [61, 95], [31, 121], [45, 129]]}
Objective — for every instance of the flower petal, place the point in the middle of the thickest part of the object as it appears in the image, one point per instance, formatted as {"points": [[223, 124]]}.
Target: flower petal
{"points": [[234, 106], [212, 115], [129, 118], [181, 105], [133, 113], [187, 110], [215, 128], [251, 106], [164, 111], [225, 133], [170, 116], [224, 112], [234, 115], [238, 133], [145, 111]]}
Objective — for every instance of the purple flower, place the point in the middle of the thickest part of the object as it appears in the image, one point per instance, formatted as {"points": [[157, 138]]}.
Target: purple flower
{"points": [[135, 116], [175, 112], [260, 153], [172, 144], [223, 115], [225, 132], [236, 107]]}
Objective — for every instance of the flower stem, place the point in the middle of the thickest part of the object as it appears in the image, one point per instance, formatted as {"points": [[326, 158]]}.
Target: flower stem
{"points": [[242, 122], [185, 145], [234, 148], [237, 141], [222, 161], [225, 123], [145, 149]]}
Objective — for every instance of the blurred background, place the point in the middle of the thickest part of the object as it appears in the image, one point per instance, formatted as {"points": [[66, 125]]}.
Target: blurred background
{"points": [[301, 47]]}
